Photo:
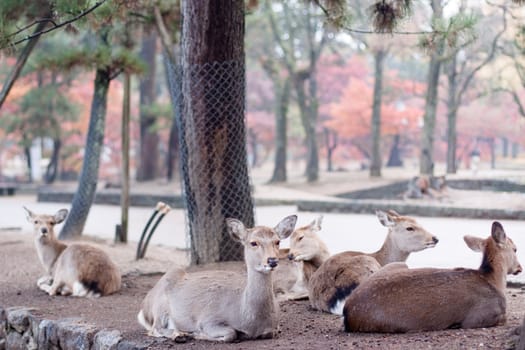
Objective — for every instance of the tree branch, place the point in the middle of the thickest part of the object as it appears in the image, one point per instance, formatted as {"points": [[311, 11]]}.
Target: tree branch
{"points": [[54, 27]]}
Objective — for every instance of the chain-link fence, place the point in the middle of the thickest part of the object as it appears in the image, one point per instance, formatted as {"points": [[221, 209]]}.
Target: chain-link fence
{"points": [[209, 107]]}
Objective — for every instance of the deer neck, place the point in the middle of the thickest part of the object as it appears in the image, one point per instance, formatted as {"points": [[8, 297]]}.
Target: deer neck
{"points": [[390, 252], [494, 271], [49, 249], [320, 258], [258, 297]]}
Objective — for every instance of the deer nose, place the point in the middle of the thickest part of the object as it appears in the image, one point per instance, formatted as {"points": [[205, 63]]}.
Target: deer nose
{"points": [[518, 270], [290, 256], [273, 262], [43, 230], [435, 240]]}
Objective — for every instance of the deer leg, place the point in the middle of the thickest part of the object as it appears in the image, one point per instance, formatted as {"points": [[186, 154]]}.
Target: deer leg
{"points": [[54, 288], [44, 280], [216, 332]]}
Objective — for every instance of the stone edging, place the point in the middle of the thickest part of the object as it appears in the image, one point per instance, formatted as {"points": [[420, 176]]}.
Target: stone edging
{"points": [[21, 329]]}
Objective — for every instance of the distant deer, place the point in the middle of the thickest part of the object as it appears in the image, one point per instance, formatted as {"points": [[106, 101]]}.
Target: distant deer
{"points": [[306, 253], [221, 305], [338, 276], [76, 269], [427, 186], [399, 299]]}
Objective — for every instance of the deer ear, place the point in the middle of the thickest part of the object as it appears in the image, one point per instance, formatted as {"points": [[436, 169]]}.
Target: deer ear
{"points": [[60, 216], [29, 215], [475, 243], [236, 229], [498, 233], [384, 218], [285, 228]]}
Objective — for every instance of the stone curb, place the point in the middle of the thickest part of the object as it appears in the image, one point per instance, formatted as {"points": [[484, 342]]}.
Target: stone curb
{"points": [[370, 206], [20, 329]]}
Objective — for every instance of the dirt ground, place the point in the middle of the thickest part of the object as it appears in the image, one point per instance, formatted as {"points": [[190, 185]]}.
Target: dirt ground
{"points": [[300, 326]]}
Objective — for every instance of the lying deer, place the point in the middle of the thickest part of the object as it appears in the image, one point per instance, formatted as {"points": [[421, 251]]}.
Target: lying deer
{"points": [[338, 276], [306, 253], [221, 305], [399, 299], [76, 269]]}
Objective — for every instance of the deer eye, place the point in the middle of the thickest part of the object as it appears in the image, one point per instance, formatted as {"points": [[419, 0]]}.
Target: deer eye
{"points": [[300, 238], [253, 244], [277, 243], [35, 222], [410, 229]]}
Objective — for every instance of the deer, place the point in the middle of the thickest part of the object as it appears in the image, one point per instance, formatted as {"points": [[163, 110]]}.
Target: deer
{"points": [[221, 305], [75, 269], [306, 253], [338, 276], [397, 299]]}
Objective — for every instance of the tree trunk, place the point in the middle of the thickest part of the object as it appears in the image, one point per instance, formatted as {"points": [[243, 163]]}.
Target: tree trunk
{"points": [[452, 116], [52, 168], [124, 196], [308, 112], [27, 152], [394, 158], [515, 150], [20, 62], [215, 168], [331, 145], [173, 82], [87, 186], [149, 138], [375, 162], [252, 141], [282, 92], [426, 161], [505, 147], [492, 143]]}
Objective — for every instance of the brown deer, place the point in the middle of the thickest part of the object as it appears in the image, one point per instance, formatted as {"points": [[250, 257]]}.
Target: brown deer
{"points": [[399, 299], [338, 276], [221, 305], [306, 253], [76, 269]]}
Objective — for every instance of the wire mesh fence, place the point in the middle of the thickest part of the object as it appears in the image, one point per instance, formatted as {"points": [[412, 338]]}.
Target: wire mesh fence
{"points": [[209, 107]]}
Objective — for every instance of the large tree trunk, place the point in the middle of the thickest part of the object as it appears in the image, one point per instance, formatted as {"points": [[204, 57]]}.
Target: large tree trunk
{"points": [[426, 160], [375, 162], [282, 93], [215, 168], [83, 198], [394, 158], [149, 138]]}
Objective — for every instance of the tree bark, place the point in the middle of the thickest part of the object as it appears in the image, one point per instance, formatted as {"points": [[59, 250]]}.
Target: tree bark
{"points": [[20, 62], [452, 116], [149, 138], [215, 168], [282, 93], [124, 195], [52, 168], [375, 162], [426, 160], [394, 158], [83, 198]]}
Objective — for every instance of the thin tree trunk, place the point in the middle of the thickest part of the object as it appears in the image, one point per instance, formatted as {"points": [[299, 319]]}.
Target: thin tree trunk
{"points": [[87, 185], [505, 147], [426, 161], [282, 92], [452, 116], [394, 158], [124, 196], [20, 62], [173, 141], [331, 145], [375, 162], [52, 167], [215, 166], [149, 137]]}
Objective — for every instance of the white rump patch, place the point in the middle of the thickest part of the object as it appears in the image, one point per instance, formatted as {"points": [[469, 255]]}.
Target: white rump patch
{"points": [[79, 290], [337, 309]]}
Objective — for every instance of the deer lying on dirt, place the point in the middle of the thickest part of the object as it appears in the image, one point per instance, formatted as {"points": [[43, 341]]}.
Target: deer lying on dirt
{"points": [[427, 186], [221, 305], [399, 299], [338, 276], [306, 253], [76, 269]]}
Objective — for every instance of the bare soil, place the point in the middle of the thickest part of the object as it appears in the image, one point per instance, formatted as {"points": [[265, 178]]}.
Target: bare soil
{"points": [[300, 326]]}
